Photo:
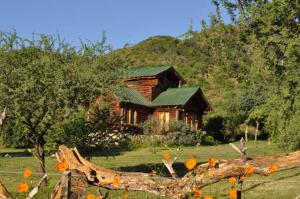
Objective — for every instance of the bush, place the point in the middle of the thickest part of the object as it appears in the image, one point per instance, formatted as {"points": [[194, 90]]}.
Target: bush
{"points": [[208, 140], [143, 141], [181, 135], [152, 126], [187, 138]]}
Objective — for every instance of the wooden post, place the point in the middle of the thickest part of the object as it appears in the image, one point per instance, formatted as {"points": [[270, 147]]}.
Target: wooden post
{"points": [[72, 185], [242, 151], [239, 188], [246, 133], [256, 132], [66, 184]]}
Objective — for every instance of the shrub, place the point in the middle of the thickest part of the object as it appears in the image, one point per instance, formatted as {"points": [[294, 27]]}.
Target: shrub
{"points": [[208, 140], [152, 126], [181, 135], [178, 134], [187, 138]]}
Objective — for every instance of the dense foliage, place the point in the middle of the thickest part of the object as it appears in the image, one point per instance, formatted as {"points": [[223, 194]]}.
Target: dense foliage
{"points": [[248, 69], [45, 84]]}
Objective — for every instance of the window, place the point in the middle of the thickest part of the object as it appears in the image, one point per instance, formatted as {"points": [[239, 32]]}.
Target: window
{"points": [[164, 118], [130, 116], [189, 119]]}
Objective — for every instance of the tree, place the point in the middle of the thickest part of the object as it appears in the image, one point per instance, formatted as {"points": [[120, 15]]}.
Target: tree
{"points": [[42, 86]]}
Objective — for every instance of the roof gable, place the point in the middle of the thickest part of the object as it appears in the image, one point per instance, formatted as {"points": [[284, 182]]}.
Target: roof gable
{"points": [[175, 96], [146, 71], [130, 95], [150, 71]]}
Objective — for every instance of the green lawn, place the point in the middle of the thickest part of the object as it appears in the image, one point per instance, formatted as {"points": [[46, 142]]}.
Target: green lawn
{"points": [[277, 186]]}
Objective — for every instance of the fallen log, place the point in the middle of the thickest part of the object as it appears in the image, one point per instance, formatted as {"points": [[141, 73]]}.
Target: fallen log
{"points": [[175, 188], [4, 194]]}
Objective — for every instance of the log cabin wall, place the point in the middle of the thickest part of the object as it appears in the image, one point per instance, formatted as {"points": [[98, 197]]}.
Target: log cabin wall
{"points": [[194, 110], [171, 110], [189, 117], [140, 113], [151, 87]]}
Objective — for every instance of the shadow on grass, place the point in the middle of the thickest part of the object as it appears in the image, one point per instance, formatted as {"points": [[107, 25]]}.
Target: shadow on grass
{"points": [[160, 169], [15, 154], [266, 182], [282, 178]]}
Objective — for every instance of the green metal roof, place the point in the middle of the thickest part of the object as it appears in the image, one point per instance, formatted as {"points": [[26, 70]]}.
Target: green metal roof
{"points": [[132, 96], [175, 96], [146, 71]]}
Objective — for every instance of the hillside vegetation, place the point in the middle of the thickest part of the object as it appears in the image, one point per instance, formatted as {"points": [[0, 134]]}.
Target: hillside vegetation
{"points": [[248, 69]]}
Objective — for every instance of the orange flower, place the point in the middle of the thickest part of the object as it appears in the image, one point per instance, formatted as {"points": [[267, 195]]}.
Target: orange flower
{"points": [[23, 187], [99, 197], [273, 169], [90, 196], [212, 162], [62, 166], [126, 195], [197, 192], [208, 197], [249, 169], [232, 180], [116, 180], [27, 173], [166, 156], [190, 163], [232, 193]]}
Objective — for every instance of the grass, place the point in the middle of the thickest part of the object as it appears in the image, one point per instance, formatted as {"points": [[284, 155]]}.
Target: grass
{"points": [[277, 186]]}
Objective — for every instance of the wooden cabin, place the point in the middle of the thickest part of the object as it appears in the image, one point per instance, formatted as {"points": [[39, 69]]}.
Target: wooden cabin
{"points": [[159, 91]]}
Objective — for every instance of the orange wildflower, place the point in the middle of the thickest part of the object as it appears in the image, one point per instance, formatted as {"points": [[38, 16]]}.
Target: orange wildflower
{"points": [[166, 156], [116, 180], [212, 162], [197, 192], [126, 195], [208, 197], [190, 163], [99, 197], [232, 193], [90, 196], [27, 173], [232, 180], [23, 187], [249, 169], [273, 169], [62, 166]]}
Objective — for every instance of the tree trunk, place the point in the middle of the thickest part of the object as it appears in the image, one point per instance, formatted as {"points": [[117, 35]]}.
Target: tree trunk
{"points": [[246, 133], [40, 154], [256, 132]]}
